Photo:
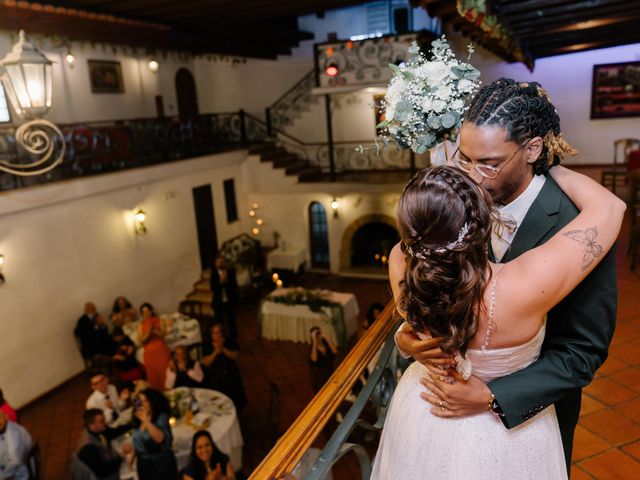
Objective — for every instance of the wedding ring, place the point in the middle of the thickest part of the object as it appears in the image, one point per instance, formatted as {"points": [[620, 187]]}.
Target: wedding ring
{"points": [[441, 404]]}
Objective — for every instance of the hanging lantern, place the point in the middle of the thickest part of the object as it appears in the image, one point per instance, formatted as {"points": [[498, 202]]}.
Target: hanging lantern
{"points": [[27, 79]]}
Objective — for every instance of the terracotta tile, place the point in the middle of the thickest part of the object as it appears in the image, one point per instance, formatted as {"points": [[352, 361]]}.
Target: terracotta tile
{"points": [[629, 377], [611, 365], [609, 392], [630, 409], [612, 426], [578, 474], [633, 449], [586, 444], [628, 353], [613, 465], [590, 405]]}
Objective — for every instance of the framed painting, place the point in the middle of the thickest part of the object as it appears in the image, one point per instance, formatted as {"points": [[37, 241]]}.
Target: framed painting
{"points": [[616, 90], [105, 76]]}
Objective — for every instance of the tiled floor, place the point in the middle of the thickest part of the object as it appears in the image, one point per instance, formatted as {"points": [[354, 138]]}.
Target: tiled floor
{"points": [[607, 444]]}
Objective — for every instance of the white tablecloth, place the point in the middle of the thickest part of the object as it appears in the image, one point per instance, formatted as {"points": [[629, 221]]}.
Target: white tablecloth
{"points": [[290, 259], [180, 331], [223, 427], [293, 322]]}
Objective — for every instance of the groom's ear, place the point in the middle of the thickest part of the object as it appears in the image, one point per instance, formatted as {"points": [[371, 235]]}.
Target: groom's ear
{"points": [[533, 149]]}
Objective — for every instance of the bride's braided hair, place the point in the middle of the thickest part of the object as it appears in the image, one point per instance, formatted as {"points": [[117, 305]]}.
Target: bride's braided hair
{"points": [[442, 290], [525, 111]]}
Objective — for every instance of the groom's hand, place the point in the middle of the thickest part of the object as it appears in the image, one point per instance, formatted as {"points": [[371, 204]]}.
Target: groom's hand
{"points": [[457, 399], [427, 352]]}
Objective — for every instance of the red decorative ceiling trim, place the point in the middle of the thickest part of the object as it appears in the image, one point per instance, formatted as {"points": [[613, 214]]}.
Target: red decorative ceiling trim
{"points": [[82, 14]]}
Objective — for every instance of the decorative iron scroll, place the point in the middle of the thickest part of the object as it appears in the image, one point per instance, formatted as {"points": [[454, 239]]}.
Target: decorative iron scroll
{"points": [[293, 103]]}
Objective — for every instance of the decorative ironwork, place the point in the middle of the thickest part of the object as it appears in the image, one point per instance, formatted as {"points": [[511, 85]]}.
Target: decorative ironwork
{"points": [[378, 389], [41, 144], [346, 158], [93, 148], [361, 62], [293, 103]]}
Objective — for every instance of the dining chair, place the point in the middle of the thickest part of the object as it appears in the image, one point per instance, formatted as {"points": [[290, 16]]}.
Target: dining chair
{"points": [[617, 174]]}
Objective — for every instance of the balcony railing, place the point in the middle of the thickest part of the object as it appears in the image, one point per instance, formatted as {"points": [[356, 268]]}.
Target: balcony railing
{"points": [[378, 389], [99, 147]]}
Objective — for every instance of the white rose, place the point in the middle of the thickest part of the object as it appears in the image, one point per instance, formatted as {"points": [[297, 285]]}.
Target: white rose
{"points": [[443, 92], [435, 72], [427, 104]]}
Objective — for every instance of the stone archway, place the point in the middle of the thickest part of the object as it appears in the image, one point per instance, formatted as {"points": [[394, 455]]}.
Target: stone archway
{"points": [[350, 231]]}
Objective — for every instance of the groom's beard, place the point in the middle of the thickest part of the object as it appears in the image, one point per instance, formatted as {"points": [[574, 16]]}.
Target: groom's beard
{"points": [[505, 194]]}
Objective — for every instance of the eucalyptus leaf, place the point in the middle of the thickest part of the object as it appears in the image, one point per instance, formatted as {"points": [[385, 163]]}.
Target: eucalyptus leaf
{"points": [[383, 124], [435, 123], [448, 120]]}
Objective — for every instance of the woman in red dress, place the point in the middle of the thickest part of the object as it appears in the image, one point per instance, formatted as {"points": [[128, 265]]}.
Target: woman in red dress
{"points": [[156, 353]]}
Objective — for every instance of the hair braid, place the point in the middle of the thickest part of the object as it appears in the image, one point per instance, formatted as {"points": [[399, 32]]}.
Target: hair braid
{"points": [[442, 292], [525, 111]]}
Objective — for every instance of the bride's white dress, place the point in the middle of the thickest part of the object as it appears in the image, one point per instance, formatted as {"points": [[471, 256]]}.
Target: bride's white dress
{"points": [[418, 445]]}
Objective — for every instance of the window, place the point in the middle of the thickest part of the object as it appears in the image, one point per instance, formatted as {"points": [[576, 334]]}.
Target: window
{"points": [[319, 233], [4, 107], [230, 200]]}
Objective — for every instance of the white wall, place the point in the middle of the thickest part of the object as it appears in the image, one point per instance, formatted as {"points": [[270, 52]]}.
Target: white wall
{"points": [[72, 242]]}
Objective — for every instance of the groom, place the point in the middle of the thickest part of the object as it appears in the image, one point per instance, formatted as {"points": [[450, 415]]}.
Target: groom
{"points": [[504, 115]]}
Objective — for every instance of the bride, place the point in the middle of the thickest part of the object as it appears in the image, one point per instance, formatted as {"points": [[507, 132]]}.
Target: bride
{"points": [[492, 314]]}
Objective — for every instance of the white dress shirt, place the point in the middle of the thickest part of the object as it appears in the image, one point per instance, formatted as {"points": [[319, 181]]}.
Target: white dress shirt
{"points": [[515, 211], [99, 400], [15, 443]]}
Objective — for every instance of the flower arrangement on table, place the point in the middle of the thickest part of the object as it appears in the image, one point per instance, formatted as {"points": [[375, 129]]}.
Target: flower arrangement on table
{"points": [[426, 99], [314, 299]]}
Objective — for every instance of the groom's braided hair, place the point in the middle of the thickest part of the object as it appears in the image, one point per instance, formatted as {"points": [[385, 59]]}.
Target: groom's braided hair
{"points": [[442, 290], [525, 110]]}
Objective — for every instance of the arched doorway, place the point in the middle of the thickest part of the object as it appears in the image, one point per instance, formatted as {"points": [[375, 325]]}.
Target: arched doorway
{"points": [[318, 236], [186, 94]]}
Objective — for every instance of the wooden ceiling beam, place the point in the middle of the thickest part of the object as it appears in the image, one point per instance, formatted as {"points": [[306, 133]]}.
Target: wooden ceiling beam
{"points": [[569, 19], [578, 33], [561, 39], [590, 45], [571, 8]]}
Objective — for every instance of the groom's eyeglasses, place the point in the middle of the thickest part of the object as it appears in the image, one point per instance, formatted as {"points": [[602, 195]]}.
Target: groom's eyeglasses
{"points": [[485, 171]]}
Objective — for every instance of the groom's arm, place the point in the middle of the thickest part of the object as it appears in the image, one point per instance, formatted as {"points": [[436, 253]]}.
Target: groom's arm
{"points": [[579, 330]]}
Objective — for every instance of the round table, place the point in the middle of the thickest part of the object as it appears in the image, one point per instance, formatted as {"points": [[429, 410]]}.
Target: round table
{"points": [[216, 413]]}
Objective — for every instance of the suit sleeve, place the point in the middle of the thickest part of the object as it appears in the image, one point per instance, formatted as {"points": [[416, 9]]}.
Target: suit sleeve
{"points": [[579, 330]]}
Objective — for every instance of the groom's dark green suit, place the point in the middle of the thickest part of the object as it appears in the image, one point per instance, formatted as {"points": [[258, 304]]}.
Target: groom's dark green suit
{"points": [[579, 329]]}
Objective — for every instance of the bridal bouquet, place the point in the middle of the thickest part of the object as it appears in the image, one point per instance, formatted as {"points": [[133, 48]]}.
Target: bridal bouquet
{"points": [[426, 99]]}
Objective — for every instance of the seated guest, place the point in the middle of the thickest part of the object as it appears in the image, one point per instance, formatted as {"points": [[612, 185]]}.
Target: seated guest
{"points": [[95, 451], [106, 399], [15, 443], [151, 332], [152, 437], [123, 312], [207, 462], [183, 371], [323, 353], [6, 408], [221, 371], [92, 333], [125, 364]]}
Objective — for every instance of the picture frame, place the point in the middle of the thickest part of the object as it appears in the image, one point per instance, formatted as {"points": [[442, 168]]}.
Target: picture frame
{"points": [[615, 92], [105, 76]]}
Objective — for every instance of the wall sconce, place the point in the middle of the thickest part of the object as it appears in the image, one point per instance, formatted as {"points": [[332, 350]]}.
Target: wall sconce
{"points": [[335, 204], [27, 78], [139, 217], [153, 65], [255, 231], [69, 58], [1, 265]]}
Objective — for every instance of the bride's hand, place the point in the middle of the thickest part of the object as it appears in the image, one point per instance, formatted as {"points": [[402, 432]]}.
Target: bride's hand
{"points": [[427, 352], [457, 399]]}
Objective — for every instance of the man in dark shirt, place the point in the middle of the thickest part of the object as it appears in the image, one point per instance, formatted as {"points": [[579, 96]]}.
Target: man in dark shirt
{"points": [[95, 450], [96, 346]]}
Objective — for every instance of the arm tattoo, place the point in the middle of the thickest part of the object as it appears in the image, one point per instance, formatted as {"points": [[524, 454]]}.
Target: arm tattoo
{"points": [[587, 238]]}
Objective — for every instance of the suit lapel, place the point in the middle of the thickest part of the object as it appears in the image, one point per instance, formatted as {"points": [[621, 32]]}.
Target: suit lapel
{"points": [[541, 217]]}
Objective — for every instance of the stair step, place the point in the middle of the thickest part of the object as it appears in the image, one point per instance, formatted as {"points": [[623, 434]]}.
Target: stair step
{"points": [[288, 161], [310, 174], [203, 286], [202, 297], [261, 148], [274, 154], [297, 168]]}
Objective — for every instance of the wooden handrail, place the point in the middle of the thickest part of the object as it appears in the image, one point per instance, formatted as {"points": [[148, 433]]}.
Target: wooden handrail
{"points": [[285, 455]]}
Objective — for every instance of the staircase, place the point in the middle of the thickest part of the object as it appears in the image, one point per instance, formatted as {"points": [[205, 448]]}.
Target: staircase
{"points": [[202, 293], [291, 163]]}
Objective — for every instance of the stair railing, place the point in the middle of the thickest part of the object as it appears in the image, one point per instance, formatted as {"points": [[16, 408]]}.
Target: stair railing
{"points": [[294, 100]]}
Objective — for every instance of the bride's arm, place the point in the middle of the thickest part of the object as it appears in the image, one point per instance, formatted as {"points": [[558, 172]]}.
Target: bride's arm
{"points": [[549, 272]]}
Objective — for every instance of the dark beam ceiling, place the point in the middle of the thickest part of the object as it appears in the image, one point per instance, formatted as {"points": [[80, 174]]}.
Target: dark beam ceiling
{"points": [[250, 28], [545, 28]]}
